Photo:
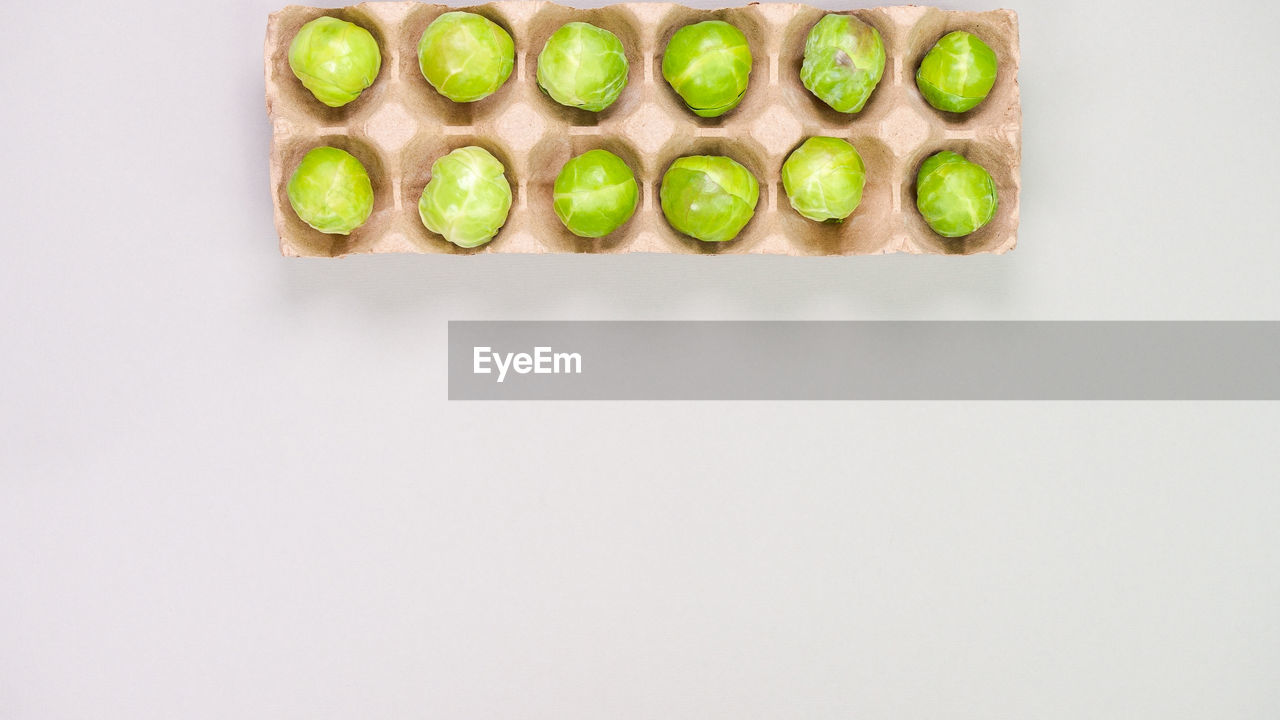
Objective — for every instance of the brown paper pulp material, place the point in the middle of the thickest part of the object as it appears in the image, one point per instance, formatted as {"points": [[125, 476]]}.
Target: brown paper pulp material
{"points": [[400, 125]]}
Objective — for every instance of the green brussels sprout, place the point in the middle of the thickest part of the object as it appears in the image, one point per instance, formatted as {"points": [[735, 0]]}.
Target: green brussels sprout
{"points": [[709, 197], [331, 191], [957, 73], [335, 60], [955, 196], [465, 57], [595, 194], [843, 62], [583, 66], [824, 178], [468, 197], [708, 64]]}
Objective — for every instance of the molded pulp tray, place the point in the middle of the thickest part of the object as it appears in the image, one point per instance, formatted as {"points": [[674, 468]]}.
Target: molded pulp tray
{"points": [[400, 125]]}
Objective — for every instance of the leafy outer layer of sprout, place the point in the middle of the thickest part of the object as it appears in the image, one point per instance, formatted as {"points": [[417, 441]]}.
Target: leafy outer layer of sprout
{"points": [[583, 66], [335, 60], [595, 194], [708, 64], [843, 62], [468, 197], [824, 178], [330, 191], [709, 197], [465, 57], [955, 196], [958, 73]]}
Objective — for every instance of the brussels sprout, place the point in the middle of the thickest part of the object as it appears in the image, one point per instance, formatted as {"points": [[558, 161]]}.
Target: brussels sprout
{"points": [[331, 191], [957, 73], [955, 196], [843, 62], [335, 60], [595, 194], [583, 66], [824, 178], [465, 57], [709, 197], [708, 64], [468, 197]]}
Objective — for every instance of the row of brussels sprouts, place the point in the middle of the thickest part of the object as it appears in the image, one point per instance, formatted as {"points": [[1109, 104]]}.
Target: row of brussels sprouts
{"points": [[708, 197], [467, 57]]}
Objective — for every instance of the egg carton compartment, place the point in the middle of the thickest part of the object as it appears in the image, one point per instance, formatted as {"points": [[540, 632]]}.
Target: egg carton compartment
{"points": [[305, 239], [987, 152], [400, 125]]}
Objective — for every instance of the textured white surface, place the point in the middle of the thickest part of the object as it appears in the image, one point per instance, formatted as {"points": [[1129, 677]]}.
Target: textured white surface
{"points": [[230, 486]]}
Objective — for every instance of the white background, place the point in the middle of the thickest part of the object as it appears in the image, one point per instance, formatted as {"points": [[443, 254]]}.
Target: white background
{"points": [[231, 485]]}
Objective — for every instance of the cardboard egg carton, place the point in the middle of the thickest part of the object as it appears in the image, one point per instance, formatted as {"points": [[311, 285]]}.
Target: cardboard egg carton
{"points": [[401, 125]]}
